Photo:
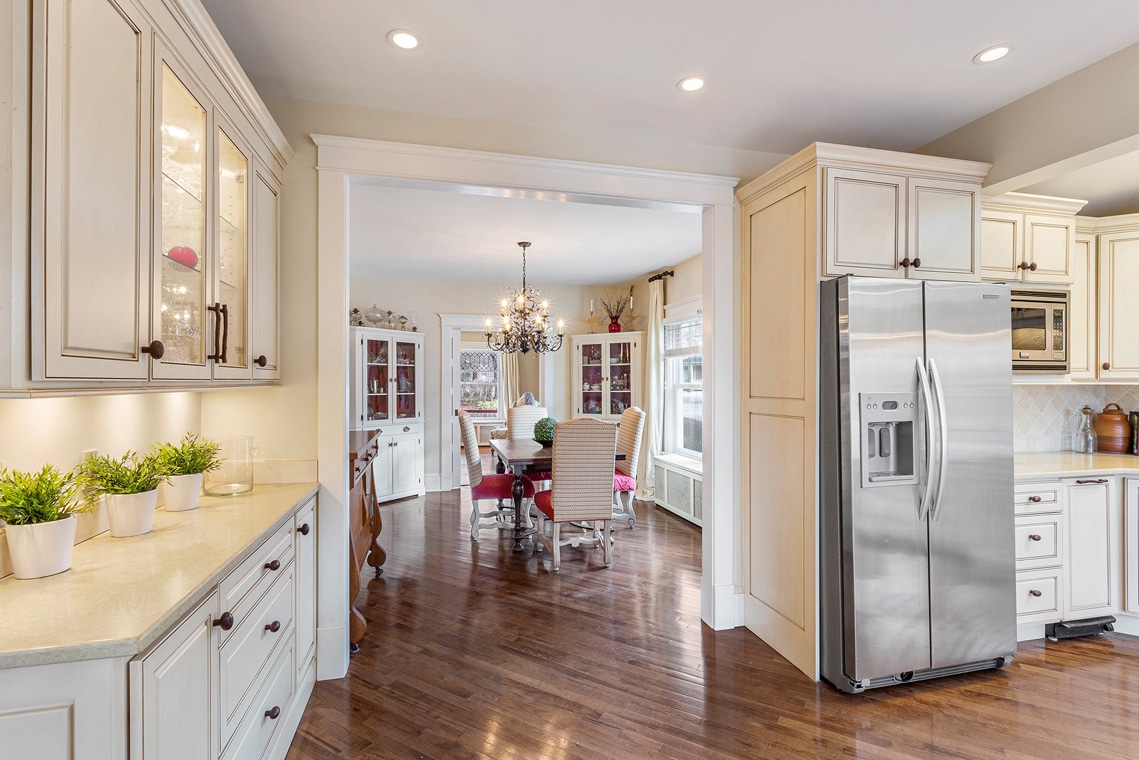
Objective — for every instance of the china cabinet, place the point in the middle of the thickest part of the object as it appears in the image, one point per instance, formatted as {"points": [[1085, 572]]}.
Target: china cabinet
{"points": [[607, 374]]}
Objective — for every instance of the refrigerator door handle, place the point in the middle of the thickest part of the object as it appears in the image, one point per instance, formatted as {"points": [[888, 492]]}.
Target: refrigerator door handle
{"points": [[943, 432], [927, 405]]}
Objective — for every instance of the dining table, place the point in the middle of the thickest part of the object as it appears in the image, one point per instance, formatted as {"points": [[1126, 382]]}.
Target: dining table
{"points": [[521, 455]]}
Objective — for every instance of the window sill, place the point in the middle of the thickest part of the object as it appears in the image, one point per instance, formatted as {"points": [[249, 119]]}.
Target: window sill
{"points": [[681, 462]]}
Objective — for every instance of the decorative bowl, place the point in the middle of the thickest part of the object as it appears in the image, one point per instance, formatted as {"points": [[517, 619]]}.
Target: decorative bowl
{"points": [[545, 444]]}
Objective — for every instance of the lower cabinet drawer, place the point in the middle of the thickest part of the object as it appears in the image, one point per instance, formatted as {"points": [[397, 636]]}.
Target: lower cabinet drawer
{"points": [[268, 710], [1038, 596], [1037, 541], [1032, 498], [245, 654]]}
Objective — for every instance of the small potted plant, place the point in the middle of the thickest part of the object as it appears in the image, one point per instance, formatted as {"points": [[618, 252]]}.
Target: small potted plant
{"points": [[130, 485], [544, 431], [38, 509], [185, 462]]}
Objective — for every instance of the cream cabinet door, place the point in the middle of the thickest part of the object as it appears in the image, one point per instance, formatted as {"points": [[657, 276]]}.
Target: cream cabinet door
{"points": [[406, 462], [232, 284], [1048, 244], [382, 467], [1118, 354], [1002, 245], [91, 121], [266, 279], [1082, 310], [1091, 548], [865, 223], [305, 615], [942, 229]]}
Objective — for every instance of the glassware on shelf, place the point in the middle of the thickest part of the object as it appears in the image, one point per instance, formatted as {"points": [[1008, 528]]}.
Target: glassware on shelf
{"points": [[1086, 442], [374, 315], [415, 321], [402, 322]]}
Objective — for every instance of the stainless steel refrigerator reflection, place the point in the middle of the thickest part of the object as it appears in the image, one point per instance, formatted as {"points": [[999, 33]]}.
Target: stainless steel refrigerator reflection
{"points": [[915, 411]]}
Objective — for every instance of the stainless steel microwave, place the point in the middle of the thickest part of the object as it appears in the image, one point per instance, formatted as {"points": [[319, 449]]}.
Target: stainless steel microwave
{"points": [[1040, 331]]}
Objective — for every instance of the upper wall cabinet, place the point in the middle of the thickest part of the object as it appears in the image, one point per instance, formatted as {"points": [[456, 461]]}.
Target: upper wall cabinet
{"points": [[1029, 238], [915, 218], [155, 201]]}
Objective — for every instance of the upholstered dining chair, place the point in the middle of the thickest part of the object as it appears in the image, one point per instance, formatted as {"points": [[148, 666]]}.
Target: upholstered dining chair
{"points": [[526, 403], [625, 470], [582, 489], [498, 487]]}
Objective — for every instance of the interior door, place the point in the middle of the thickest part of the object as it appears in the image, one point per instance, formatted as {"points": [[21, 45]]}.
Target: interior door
{"points": [[971, 537]]}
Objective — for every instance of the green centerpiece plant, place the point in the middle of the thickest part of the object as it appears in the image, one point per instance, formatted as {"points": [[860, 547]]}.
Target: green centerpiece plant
{"points": [[544, 431], [186, 462], [130, 487], [39, 511]]}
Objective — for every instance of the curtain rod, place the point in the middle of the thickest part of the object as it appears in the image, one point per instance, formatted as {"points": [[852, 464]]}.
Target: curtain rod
{"points": [[661, 276]]}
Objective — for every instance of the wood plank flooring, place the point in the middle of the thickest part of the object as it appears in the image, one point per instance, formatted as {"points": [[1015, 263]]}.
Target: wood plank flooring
{"points": [[473, 651]]}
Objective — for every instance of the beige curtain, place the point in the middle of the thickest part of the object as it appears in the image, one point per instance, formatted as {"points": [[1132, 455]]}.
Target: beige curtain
{"points": [[510, 375], [654, 391]]}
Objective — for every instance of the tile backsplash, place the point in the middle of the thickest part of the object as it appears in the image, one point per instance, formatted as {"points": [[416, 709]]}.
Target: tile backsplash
{"points": [[1045, 417]]}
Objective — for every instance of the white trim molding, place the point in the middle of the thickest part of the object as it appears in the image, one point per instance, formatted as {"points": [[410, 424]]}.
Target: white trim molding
{"points": [[451, 327], [685, 308]]}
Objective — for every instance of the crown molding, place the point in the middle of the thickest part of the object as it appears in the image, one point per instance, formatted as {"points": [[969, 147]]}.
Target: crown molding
{"points": [[1029, 202]]}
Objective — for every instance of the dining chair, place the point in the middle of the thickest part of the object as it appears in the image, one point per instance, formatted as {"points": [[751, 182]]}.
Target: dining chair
{"points": [[582, 489], [525, 401], [629, 434], [498, 486]]}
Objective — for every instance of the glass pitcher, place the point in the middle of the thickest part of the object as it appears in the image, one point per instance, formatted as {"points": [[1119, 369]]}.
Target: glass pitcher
{"points": [[1086, 442]]}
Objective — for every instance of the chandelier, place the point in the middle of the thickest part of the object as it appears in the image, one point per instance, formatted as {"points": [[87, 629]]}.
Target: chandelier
{"points": [[525, 321]]}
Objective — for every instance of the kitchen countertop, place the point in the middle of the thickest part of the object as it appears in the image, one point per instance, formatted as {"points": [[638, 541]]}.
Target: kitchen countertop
{"points": [[1058, 464], [122, 594]]}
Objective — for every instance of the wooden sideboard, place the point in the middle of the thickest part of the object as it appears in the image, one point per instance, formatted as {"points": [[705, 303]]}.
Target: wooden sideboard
{"points": [[365, 524]]}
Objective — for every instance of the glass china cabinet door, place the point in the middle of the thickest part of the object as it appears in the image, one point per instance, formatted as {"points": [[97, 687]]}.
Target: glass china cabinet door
{"points": [[620, 377], [378, 390], [592, 380], [233, 255], [406, 359], [181, 230]]}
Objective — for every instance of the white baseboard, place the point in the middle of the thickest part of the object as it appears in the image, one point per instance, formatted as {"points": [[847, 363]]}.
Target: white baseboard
{"points": [[1126, 623], [331, 652], [433, 481], [721, 607], [1029, 632]]}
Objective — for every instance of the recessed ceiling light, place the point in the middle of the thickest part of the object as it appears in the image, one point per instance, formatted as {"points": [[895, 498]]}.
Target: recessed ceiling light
{"points": [[995, 53], [690, 84], [404, 39]]}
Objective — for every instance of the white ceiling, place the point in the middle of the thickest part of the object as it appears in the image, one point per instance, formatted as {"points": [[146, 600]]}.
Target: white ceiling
{"points": [[1110, 187], [881, 73], [428, 234]]}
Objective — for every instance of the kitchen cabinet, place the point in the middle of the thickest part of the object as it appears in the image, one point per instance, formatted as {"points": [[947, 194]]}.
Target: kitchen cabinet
{"points": [[1117, 250], [607, 374], [1091, 534], [386, 377], [1082, 339], [304, 533], [1028, 238], [266, 348], [1131, 543], [884, 224], [397, 468]]}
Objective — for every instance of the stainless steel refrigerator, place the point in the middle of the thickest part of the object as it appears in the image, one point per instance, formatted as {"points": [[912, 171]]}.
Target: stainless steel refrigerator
{"points": [[916, 517]]}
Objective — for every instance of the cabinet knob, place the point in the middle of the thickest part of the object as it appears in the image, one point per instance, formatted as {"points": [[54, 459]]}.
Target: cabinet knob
{"points": [[274, 626], [1034, 537], [1032, 267], [225, 622], [917, 262], [261, 361], [906, 262], [275, 565], [304, 529], [1034, 499], [155, 349], [1107, 365], [1022, 265], [1036, 592], [274, 713]]}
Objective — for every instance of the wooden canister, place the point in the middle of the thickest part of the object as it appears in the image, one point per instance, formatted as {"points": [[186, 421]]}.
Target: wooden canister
{"points": [[1113, 431]]}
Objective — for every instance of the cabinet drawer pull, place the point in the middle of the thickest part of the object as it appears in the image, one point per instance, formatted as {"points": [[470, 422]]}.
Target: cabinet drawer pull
{"points": [[1022, 265], [261, 361], [406, 429], [1036, 592], [216, 309], [155, 349], [225, 622], [1086, 482], [1034, 537], [274, 626], [906, 263], [274, 713], [304, 529], [917, 263], [1034, 499], [275, 565], [1032, 267], [1107, 365]]}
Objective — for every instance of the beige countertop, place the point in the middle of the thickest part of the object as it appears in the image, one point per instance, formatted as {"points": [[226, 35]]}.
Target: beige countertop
{"points": [[121, 594], [1058, 464]]}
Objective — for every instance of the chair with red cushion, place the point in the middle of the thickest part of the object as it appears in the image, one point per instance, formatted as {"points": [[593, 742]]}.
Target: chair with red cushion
{"points": [[496, 487], [582, 489], [625, 470]]}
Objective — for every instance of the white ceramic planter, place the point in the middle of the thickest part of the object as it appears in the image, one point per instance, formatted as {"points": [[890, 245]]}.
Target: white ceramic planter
{"points": [[41, 549], [131, 514], [181, 492]]}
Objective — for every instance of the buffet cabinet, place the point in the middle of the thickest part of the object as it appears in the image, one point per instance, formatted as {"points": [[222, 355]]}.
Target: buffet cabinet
{"points": [[154, 171], [607, 374]]}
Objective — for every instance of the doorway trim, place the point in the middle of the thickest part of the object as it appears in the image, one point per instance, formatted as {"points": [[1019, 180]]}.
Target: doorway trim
{"points": [[342, 161]]}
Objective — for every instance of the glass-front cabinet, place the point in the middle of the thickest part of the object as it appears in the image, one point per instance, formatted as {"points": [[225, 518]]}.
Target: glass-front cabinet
{"points": [[606, 378], [385, 376], [232, 293]]}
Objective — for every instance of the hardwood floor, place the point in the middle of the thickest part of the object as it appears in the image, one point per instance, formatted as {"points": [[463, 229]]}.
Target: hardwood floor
{"points": [[475, 652]]}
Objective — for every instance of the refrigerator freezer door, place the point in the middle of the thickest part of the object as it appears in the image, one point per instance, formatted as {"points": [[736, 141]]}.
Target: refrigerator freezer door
{"points": [[971, 563], [885, 555]]}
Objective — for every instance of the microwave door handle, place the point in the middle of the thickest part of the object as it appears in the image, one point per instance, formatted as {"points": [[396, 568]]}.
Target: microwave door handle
{"points": [[943, 432], [926, 404]]}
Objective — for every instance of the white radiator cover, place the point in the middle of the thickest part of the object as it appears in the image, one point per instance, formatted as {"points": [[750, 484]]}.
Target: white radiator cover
{"points": [[679, 490]]}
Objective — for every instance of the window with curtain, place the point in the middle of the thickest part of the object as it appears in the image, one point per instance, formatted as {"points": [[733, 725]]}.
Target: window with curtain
{"points": [[683, 388], [481, 378]]}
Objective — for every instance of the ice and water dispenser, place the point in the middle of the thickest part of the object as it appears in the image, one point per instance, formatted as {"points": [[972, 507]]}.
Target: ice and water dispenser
{"points": [[889, 439]]}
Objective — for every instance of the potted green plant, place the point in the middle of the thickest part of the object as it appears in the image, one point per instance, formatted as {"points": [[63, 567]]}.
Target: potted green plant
{"points": [[185, 462], [130, 487], [544, 431], [38, 510]]}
